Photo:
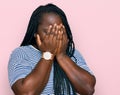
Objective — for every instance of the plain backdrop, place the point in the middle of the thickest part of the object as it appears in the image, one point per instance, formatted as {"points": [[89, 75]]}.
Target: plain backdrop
{"points": [[95, 25]]}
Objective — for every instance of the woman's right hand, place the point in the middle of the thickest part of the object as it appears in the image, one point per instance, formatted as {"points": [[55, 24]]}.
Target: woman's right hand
{"points": [[50, 42]]}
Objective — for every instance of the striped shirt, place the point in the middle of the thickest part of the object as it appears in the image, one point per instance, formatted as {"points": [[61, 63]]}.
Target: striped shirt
{"points": [[24, 59]]}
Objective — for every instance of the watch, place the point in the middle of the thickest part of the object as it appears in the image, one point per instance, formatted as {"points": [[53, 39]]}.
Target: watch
{"points": [[47, 55]]}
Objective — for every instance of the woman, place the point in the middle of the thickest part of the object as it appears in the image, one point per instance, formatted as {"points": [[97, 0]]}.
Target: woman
{"points": [[47, 61]]}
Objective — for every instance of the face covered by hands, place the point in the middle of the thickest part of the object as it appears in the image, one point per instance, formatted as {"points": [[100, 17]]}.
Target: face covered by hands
{"points": [[55, 40]]}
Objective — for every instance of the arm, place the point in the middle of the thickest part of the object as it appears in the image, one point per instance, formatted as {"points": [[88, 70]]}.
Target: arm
{"points": [[82, 81], [34, 82]]}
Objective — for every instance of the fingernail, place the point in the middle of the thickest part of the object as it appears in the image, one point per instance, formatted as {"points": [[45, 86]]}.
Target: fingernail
{"points": [[58, 31], [50, 26], [63, 26]]}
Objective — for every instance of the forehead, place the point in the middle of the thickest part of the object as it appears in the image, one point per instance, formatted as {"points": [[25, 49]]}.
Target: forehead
{"points": [[50, 19]]}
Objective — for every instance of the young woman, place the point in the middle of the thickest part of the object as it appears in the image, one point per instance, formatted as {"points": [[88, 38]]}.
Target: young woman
{"points": [[47, 61]]}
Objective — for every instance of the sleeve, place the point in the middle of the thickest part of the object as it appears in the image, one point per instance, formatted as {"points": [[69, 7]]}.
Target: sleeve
{"points": [[18, 66], [79, 60]]}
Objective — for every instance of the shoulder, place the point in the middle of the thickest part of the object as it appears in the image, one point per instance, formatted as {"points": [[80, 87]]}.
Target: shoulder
{"points": [[19, 52], [77, 54], [80, 61], [78, 58], [19, 56], [25, 52]]}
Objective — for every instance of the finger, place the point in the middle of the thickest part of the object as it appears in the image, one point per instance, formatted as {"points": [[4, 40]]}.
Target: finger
{"points": [[60, 25], [48, 32], [56, 31], [58, 35], [49, 29], [55, 35], [38, 41], [51, 36], [61, 35], [54, 39], [53, 32], [53, 29], [61, 32], [63, 29], [59, 45]]}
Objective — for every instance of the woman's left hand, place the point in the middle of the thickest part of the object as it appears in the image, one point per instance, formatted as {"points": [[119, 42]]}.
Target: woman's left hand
{"points": [[63, 42]]}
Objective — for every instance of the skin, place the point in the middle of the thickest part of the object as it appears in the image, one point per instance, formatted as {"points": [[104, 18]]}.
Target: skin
{"points": [[51, 36]]}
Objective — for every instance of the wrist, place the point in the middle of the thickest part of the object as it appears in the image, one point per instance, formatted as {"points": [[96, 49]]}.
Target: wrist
{"points": [[61, 56], [47, 55]]}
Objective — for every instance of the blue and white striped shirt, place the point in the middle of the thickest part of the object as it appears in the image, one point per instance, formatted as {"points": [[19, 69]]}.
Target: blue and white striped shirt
{"points": [[23, 60]]}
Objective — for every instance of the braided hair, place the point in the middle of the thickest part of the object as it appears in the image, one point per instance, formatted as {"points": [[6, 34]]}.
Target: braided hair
{"points": [[61, 83]]}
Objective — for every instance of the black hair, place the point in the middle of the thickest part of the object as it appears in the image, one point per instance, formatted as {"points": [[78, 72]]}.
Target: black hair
{"points": [[62, 85]]}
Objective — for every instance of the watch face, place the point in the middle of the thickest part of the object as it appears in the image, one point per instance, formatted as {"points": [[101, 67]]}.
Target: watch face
{"points": [[47, 55]]}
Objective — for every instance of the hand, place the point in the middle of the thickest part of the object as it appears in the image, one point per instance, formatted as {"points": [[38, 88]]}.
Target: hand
{"points": [[63, 41], [49, 43]]}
